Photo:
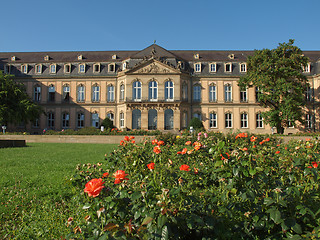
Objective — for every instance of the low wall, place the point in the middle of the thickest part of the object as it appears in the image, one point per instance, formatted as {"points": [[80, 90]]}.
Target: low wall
{"points": [[5, 143], [71, 138]]}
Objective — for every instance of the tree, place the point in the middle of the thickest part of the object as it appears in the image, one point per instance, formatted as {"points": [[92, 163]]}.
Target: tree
{"points": [[15, 104], [278, 76], [196, 123], [107, 123]]}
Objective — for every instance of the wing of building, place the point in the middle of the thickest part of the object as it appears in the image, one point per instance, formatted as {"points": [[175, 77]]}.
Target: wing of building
{"points": [[149, 89]]}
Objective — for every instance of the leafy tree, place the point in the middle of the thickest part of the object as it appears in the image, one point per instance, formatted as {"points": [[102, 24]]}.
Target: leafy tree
{"points": [[107, 123], [278, 74], [15, 104], [195, 123]]}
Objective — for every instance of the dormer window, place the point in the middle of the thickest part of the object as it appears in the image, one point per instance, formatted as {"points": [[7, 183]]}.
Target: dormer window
{"points": [[213, 67], [197, 67], [124, 65], [53, 68], [196, 56], [228, 67], [38, 69], [82, 68], [13, 58], [80, 57], [46, 58], [114, 56], [181, 64], [243, 67], [96, 68], [24, 68], [306, 68], [111, 67], [67, 68], [231, 56]]}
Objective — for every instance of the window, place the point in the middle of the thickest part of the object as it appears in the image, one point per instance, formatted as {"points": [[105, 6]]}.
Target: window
{"points": [[24, 68], [95, 120], [53, 68], [244, 120], [212, 93], [95, 93], [110, 93], [51, 93], [184, 120], [185, 92], [228, 67], [67, 68], [80, 120], [111, 67], [7, 69], [243, 95], [38, 68], [35, 123], [65, 120], [243, 67], [121, 92], [96, 68], [80, 93], [168, 91], [50, 119], [213, 67], [152, 119], [124, 65], [66, 93], [197, 115], [306, 68], [196, 93], [168, 119], [110, 115], [309, 94], [82, 68], [228, 93], [153, 91], [37, 93], [309, 121], [259, 120], [228, 120], [213, 120], [197, 67], [136, 91], [121, 120], [136, 119]]}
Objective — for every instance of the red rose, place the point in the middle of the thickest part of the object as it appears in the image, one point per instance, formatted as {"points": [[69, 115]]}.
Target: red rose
{"points": [[157, 150], [185, 168], [94, 187], [119, 176], [150, 166]]}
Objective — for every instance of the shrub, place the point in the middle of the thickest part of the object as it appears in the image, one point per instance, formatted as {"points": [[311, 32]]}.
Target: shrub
{"points": [[107, 123], [202, 187], [196, 123]]}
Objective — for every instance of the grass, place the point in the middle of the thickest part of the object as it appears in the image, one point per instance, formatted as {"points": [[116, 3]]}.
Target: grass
{"points": [[35, 199]]}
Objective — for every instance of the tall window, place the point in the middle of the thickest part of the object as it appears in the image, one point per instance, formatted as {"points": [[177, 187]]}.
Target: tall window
{"points": [[66, 93], [35, 123], [184, 119], [24, 68], [67, 68], [53, 68], [80, 120], [168, 91], [259, 120], [196, 93], [309, 94], [121, 118], [213, 120], [243, 95], [136, 119], [110, 93], [243, 67], [51, 93], [244, 120], [65, 120], [50, 119], [258, 93], [136, 91], [184, 91], [228, 93], [213, 67], [95, 120], [110, 115], [95, 93], [81, 93], [38, 68], [197, 67], [153, 91], [152, 119], [212, 93], [228, 120], [121, 92], [37, 93], [168, 119], [96, 68], [228, 67], [82, 68], [309, 121]]}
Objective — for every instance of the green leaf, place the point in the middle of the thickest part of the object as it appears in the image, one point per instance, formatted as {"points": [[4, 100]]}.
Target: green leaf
{"points": [[268, 201], [146, 221], [252, 171], [86, 206], [297, 228], [136, 195], [137, 214], [161, 221], [165, 233], [275, 215]]}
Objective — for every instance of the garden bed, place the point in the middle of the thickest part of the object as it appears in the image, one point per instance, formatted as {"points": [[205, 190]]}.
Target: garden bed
{"points": [[5, 143]]}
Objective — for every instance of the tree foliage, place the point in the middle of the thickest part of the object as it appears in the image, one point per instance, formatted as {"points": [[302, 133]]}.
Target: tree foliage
{"points": [[278, 74], [107, 123], [15, 104], [196, 123]]}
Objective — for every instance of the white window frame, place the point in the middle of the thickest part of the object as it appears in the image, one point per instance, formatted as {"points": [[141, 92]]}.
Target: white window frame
{"points": [[309, 121], [96, 93], [136, 91], [51, 93], [81, 90], [153, 90], [230, 67], [110, 115], [306, 69], [212, 67], [66, 92], [212, 93], [243, 67], [111, 67], [121, 97], [38, 68], [244, 95], [96, 68], [169, 90], [228, 92], [110, 93], [24, 68], [244, 120], [95, 119], [197, 67], [259, 121], [213, 120], [82, 68], [124, 65], [37, 93], [228, 120], [67, 68], [121, 120], [53, 68]]}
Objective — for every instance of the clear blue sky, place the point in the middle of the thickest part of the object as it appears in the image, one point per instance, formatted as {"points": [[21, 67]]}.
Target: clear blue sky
{"points": [[77, 25]]}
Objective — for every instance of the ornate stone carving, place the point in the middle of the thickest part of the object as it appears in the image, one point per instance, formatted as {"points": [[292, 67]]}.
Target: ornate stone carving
{"points": [[153, 68]]}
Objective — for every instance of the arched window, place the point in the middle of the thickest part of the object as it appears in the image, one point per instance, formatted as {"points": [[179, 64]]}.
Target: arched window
{"points": [[228, 93], [121, 119], [136, 91], [50, 120], [110, 93], [37, 93], [81, 93], [66, 93], [121, 92], [152, 119], [153, 91], [259, 120], [80, 120], [169, 90], [212, 93], [95, 119], [213, 120], [95, 93], [65, 120], [168, 119], [51, 93], [244, 120], [185, 92], [228, 120], [197, 93], [136, 119], [243, 95]]}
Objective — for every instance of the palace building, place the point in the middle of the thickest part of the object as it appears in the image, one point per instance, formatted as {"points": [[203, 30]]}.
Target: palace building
{"points": [[149, 89]]}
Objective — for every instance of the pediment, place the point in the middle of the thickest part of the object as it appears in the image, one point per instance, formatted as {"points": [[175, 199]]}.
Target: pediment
{"points": [[153, 67]]}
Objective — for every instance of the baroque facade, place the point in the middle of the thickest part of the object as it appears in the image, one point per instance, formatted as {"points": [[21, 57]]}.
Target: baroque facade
{"points": [[149, 89]]}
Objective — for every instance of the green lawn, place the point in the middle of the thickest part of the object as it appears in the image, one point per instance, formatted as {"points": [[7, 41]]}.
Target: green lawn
{"points": [[34, 195]]}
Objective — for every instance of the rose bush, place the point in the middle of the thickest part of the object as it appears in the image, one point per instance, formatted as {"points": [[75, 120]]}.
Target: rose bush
{"points": [[204, 186]]}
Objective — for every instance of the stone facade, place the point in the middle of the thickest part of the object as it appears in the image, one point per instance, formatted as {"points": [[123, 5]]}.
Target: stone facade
{"points": [[149, 89]]}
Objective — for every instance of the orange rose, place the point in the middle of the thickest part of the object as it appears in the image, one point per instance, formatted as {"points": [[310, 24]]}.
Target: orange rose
{"points": [[188, 143], [157, 150], [94, 187], [126, 138], [160, 143], [105, 175], [184, 151], [185, 168], [151, 166], [154, 142], [119, 176], [314, 164]]}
